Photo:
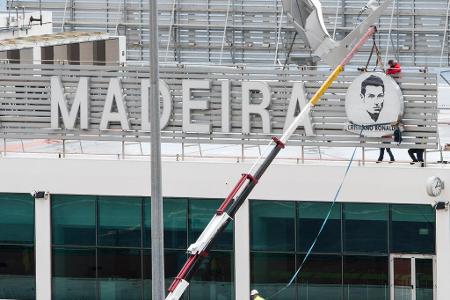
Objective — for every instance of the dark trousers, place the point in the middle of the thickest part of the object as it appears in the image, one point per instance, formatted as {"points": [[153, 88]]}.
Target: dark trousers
{"points": [[416, 154], [388, 150]]}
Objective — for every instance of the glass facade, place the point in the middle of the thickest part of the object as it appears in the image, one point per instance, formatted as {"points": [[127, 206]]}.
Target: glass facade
{"points": [[351, 257], [17, 267], [412, 229], [365, 228], [102, 249]]}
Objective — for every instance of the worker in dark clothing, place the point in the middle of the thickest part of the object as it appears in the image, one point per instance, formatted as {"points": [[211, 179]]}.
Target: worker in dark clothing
{"points": [[381, 156], [394, 71], [416, 155]]}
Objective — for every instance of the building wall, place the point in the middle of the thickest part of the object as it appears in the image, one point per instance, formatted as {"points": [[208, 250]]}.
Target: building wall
{"points": [[287, 182], [282, 181]]}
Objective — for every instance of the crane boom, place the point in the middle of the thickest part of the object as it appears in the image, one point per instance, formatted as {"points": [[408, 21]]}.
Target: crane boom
{"points": [[247, 183]]}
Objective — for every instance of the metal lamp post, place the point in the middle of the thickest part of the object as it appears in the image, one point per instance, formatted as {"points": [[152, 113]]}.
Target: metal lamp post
{"points": [[157, 232]]}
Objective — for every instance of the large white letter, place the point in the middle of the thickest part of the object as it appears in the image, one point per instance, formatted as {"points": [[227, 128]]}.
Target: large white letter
{"points": [[114, 93], [59, 103], [189, 105], [298, 96], [166, 109], [260, 109]]}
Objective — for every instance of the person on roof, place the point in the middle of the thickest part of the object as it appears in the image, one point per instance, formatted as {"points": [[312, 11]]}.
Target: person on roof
{"points": [[394, 69], [255, 295]]}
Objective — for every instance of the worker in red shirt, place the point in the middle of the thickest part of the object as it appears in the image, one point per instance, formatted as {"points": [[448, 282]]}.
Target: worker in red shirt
{"points": [[394, 69]]}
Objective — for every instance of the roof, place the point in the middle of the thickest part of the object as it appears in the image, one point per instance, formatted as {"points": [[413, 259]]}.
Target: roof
{"points": [[53, 39]]}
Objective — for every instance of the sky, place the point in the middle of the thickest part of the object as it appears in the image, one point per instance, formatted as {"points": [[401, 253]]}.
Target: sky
{"points": [[2, 4]]}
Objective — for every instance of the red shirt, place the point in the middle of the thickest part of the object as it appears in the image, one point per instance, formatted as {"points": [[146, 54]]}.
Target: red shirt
{"points": [[394, 70]]}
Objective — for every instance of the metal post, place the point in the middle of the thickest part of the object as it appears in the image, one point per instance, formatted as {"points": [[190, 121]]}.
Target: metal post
{"points": [[363, 152], [303, 154], [157, 237]]}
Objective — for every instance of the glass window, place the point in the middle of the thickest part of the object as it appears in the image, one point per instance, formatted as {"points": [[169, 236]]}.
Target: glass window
{"points": [[272, 271], [17, 218], [74, 262], [366, 277], [173, 261], [119, 271], [175, 223], [119, 263], [413, 229], [214, 278], [201, 212], [365, 228], [73, 274], [120, 221], [73, 220], [311, 217], [272, 225], [321, 278], [147, 223], [17, 272], [16, 260], [424, 279]]}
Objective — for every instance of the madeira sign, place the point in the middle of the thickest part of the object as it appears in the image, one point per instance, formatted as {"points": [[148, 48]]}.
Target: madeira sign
{"points": [[115, 108], [215, 105]]}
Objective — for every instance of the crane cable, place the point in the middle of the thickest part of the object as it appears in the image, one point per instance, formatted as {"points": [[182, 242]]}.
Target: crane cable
{"points": [[388, 38], [379, 62], [336, 18], [325, 221]]}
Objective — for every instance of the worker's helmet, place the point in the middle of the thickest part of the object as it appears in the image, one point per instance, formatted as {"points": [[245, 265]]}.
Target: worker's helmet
{"points": [[254, 292]]}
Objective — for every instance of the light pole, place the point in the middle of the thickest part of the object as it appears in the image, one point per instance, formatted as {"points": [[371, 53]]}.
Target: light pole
{"points": [[157, 232]]}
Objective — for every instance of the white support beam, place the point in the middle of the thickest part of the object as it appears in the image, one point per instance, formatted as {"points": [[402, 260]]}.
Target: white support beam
{"points": [[442, 253], [42, 215], [242, 252]]}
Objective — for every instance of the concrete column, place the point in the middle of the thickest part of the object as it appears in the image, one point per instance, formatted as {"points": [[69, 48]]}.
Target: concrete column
{"points": [[26, 56], [37, 55], [86, 53], [43, 247], [60, 54], [242, 252], [442, 254], [122, 49], [112, 52]]}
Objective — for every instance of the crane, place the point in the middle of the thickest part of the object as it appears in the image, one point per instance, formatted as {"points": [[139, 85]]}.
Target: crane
{"points": [[247, 182]]}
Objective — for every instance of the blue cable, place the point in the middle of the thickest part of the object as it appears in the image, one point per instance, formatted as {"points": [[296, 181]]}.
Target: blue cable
{"points": [[321, 228]]}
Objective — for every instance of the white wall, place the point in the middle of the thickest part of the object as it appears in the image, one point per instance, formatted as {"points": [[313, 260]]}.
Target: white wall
{"points": [[389, 184]]}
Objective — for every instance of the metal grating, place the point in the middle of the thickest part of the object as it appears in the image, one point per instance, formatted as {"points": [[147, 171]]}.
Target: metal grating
{"points": [[196, 28], [25, 105]]}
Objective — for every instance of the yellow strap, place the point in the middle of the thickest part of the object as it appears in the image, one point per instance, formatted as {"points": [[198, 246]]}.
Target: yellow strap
{"points": [[326, 85]]}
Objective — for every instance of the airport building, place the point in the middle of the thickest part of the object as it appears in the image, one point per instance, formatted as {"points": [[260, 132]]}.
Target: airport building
{"points": [[74, 143]]}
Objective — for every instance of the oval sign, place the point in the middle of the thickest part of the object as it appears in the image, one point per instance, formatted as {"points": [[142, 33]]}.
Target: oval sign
{"points": [[374, 105]]}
